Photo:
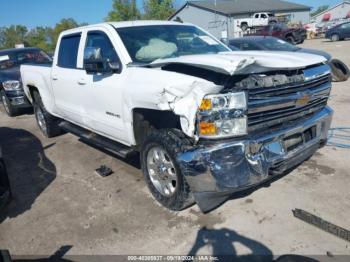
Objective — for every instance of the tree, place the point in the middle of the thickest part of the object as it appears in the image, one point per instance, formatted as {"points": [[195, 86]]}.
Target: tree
{"points": [[64, 24], [42, 37], [319, 10], [39, 37], [12, 35], [158, 9], [124, 10]]}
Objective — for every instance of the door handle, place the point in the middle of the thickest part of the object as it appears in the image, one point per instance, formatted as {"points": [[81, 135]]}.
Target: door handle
{"points": [[54, 77], [81, 81]]}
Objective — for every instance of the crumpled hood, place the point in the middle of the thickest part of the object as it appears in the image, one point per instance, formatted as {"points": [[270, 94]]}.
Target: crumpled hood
{"points": [[245, 61]]}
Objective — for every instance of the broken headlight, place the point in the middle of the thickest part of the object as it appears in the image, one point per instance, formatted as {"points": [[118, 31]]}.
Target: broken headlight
{"points": [[11, 85], [223, 115]]}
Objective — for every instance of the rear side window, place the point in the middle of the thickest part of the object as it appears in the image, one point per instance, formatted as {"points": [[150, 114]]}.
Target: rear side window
{"points": [[68, 52]]}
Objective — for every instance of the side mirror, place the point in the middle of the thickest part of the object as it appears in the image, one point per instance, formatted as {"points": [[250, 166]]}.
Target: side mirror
{"points": [[94, 63]]}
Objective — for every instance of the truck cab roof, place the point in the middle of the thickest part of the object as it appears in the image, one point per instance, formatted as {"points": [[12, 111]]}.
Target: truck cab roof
{"points": [[125, 24]]}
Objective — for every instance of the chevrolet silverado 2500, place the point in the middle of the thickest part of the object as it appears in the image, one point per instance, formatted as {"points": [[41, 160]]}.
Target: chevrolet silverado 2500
{"points": [[207, 121]]}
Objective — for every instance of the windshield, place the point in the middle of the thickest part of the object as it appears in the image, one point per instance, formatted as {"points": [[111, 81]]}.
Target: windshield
{"points": [[276, 44], [17, 58], [148, 43]]}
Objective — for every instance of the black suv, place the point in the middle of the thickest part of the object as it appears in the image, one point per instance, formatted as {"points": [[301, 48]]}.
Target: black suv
{"points": [[11, 90]]}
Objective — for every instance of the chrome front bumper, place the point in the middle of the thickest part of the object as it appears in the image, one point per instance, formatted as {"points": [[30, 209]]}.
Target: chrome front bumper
{"points": [[216, 170]]}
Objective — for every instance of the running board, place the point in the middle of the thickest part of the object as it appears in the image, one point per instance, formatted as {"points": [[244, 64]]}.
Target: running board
{"points": [[98, 140]]}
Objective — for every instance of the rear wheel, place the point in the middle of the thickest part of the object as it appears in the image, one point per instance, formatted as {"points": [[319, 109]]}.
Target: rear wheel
{"points": [[47, 123], [9, 109], [335, 37], [161, 170]]}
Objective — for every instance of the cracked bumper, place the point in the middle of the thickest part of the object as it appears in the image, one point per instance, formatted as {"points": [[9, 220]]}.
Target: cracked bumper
{"points": [[216, 170]]}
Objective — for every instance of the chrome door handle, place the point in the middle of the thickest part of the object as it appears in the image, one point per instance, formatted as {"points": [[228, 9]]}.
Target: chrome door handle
{"points": [[54, 77], [81, 82]]}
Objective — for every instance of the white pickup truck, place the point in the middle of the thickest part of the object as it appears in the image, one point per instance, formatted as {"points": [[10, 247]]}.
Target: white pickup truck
{"points": [[256, 20], [206, 121]]}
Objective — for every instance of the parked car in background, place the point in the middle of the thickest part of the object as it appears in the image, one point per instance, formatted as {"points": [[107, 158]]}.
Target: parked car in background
{"points": [[11, 90], [338, 32], [270, 43], [206, 121], [282, 31], [5, 192], [256, 20], [340, 71]]}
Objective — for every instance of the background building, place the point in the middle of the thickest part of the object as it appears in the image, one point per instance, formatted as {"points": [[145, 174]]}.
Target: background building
{"points": [[341, 10], [219, 17]]}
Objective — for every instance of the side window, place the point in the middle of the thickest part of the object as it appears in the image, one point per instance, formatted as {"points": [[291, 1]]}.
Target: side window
{"points": [[68, 51], [256, 16], [263, 16], [345, 26], [101, 41]]}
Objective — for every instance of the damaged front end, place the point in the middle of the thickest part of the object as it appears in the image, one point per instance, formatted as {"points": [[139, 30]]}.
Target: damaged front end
{"points": [[280, 120], [215, 170], [250, 121]]}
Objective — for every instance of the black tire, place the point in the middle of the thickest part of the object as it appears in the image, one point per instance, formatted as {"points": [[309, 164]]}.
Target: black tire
{"points": [[172, 141], [340, 71], [47, 123], [290, 39], [335, 38], [244, 27], [9, 109]]}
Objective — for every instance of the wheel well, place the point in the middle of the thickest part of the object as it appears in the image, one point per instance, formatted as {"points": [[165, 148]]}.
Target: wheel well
{"points": [[146, 119], [31, 89], [244, 23]]}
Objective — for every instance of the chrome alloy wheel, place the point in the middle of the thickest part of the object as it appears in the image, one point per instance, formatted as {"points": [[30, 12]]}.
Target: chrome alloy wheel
{"points": [[161, 171], [40, 119]]}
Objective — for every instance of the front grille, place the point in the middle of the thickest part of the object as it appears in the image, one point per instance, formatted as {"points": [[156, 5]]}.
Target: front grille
{"points": [[268, 107]]}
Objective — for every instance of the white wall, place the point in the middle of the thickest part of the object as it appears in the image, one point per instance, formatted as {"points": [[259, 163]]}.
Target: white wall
{"points": [[338, 12], [211, 22]]}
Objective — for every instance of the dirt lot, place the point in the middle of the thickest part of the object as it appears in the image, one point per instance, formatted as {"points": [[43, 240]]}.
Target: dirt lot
{"points": [[59, 201]]}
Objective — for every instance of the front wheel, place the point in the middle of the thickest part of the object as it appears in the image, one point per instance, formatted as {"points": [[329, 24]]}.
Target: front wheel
{"points": [[290, 39], [9, 109], [244, 27], [161, 170]]}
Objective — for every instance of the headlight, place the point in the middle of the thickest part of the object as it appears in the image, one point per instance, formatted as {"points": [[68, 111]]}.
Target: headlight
{"points": [[11, 85], [223, 115]]}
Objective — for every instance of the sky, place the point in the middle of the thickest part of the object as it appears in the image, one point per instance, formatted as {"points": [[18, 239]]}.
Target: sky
{"points": [[32, 13]]}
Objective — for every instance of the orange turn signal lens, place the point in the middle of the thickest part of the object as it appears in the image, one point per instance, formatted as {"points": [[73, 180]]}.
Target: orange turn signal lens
{"points": [[206, 104], [206, 128]]}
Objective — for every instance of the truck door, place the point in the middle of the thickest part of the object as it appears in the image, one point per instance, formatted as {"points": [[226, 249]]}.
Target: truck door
{"points": [[255, 20], [345, 30], [263, 19], [65, 77], [104, 102]]}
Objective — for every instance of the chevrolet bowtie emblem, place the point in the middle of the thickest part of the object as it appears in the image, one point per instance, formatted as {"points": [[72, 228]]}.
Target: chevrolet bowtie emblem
{"points": [[303, 100]]}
